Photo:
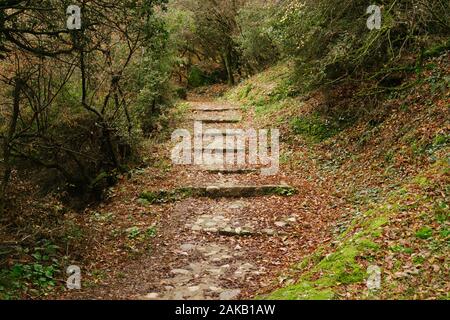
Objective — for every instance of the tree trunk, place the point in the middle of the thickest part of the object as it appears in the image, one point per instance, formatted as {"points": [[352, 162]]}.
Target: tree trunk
{"points": [[7, 144], [227, 62]]}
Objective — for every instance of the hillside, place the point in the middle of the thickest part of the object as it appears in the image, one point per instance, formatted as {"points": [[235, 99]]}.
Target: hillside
{"points": [[391, 167]]}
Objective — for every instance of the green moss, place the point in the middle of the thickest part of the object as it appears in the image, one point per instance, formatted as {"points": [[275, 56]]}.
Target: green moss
{"points": [[366, 243], [436, 49], [302, 291], [315, 127], [424, 233], [401, 249], [444, 232], [341, 267], [263, 108], [283, 191], [320, 277], [335, 269], [441, 212], [418, 260], [245, 91], [163, 196], [422, 181], [376, 223], [441, 140]]}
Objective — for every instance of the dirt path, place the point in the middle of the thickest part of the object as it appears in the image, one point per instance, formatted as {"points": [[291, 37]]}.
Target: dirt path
{"points": [[231, 243]]}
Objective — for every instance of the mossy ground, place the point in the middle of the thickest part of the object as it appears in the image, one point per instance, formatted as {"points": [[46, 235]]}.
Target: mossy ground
{"points": [[371, 240]]}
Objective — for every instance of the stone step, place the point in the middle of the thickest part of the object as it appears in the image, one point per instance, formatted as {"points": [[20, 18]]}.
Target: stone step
{"points": [[221, 109], [218, 119], [219, 132], [229, 170], [242, 191], [220, 146], [215, 191], [220, 149]]}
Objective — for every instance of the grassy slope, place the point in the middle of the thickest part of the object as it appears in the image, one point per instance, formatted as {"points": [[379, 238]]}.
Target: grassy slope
{"points": [[395, 173]]}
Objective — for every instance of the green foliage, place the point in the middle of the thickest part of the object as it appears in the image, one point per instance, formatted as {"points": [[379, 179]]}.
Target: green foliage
{"points": [[285, 192], [106, 217], [133, 232], [151, 232], [36, 277], [402, 249], [84, 119], [197, 78], [330, 42], [315, 127], [442, 212], [164, 196], [424, 233], [255, 41], [151, 77]]}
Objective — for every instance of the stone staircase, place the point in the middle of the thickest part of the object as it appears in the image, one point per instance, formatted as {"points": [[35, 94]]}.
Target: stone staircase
{"points": [[212, 257]]}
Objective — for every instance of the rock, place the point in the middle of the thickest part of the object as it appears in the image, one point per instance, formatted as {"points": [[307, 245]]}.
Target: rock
{"points": [[178, 296], [269, 232], [281, 224], [239, 231], [247, 266], [221, 258], [210, 224], [187, 247], [239, 274], [229, 294], [194, 289], [152, 296], [196, 228], [212, 189], [227, 231], [237, 205], [246, 232], [196, 267], [400, 274], [180, 271], [218, 271]]}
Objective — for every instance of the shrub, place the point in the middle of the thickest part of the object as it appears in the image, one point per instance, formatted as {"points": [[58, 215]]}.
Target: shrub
{"points": [[330, 42], [255, 41]]}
